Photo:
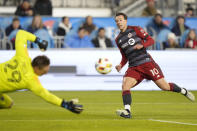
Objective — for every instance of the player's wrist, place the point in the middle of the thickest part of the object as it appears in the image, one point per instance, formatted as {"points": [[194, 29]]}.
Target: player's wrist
{"points": [[38, 40], [64, 104]]}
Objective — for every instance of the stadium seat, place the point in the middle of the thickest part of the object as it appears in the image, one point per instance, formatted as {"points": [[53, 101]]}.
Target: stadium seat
{"points": [[161, 37], [12, 34], [44, 35], [183, 38], [172, 23], [25, 22], [93, 34], [6, 21], [55, 26]]}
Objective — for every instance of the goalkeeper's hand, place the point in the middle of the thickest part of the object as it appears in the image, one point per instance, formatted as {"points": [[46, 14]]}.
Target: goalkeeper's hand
{"points": [[41, 43], [72, 106]]}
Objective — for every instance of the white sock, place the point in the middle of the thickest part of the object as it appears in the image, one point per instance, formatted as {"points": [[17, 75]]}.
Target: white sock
{"points": [[183, 91], [127, 107]]}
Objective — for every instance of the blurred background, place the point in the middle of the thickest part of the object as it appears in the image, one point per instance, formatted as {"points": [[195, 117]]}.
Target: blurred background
{"points": [[77, 28]]}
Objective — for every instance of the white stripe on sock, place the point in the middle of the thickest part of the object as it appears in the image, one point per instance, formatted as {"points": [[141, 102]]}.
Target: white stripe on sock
{"points": [[183, 91], [127, 107]]}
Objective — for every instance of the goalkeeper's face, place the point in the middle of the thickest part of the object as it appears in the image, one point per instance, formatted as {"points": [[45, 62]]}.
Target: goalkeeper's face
{"points": [[41, 71]]}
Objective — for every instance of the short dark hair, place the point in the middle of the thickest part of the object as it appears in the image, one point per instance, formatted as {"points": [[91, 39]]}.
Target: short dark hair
{"points": [[190, 8], [81, 28], [158, 14], [101, 28], [40, 61], [64, 18], [15, 19], [180, 17], [123, 14]]}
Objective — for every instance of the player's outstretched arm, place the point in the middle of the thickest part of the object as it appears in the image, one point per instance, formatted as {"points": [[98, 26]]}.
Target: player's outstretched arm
{"points": [[36, 87], [22, 37]]}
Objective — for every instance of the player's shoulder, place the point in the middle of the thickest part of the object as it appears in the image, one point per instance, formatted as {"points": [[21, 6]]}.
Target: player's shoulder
{"points": [[135, 27], [117, 37]]}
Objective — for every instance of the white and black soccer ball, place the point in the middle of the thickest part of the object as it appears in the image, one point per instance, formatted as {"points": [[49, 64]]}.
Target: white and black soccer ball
{"points": [[103, 66]]}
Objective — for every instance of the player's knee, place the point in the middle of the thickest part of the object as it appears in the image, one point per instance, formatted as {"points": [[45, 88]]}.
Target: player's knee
{"points": [[127, 86], [7, 106], [128, 83], [10, 106]]}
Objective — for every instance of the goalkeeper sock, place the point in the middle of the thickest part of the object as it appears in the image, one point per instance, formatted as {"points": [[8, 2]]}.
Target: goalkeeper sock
{"points": [[126, 96]]}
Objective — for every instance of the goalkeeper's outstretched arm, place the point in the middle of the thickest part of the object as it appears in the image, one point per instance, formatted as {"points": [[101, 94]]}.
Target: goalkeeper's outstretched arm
{"points": [[35, 86], [22, 38]]}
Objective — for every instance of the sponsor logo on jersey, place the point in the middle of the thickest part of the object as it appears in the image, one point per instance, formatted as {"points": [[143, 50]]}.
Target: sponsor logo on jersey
{"points": [[131, 41], [124, 45]]}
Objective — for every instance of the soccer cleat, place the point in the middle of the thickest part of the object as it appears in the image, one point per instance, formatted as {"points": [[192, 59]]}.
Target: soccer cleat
{"points": [[189, 95], [124, 113]]}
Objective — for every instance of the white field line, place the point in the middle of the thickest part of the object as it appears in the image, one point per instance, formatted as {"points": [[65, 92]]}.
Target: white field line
{"points": [[36, 120], [174, 122]]}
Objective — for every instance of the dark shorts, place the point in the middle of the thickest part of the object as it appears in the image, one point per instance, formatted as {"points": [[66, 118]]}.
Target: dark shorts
{"points": [[149, 71]]}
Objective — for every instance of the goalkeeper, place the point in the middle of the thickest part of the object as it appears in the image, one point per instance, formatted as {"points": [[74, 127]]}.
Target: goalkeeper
{"points": [[22, 73]]}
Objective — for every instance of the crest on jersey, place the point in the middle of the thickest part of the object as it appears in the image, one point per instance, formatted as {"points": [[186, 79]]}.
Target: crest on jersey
{"points": [[143, 32], [120, 41], [129, 35]]}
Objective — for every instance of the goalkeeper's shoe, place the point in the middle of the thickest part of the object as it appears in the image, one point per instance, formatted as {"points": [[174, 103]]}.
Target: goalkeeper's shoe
{"points": [[124, 113], [189, 95], [72, 106], [41, 43]]}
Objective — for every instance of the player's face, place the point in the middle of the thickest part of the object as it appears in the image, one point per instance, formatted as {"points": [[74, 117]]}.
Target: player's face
{"points": [[41, 71], [16, 24], [102, 33], [121, 22]]}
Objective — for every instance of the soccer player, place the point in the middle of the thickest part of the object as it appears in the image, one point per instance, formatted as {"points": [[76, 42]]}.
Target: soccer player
{"points": [[22, 73], [132, 42]]}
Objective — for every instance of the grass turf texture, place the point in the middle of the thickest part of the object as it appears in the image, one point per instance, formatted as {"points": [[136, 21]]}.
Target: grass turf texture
{"points": [[33, 114]]}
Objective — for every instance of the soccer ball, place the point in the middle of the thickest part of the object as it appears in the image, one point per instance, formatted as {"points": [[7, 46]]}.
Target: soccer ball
{"points": [[103, 66]]}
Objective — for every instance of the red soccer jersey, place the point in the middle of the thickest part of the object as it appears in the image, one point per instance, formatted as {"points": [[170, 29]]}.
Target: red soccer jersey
{"points": [[125, 42]]}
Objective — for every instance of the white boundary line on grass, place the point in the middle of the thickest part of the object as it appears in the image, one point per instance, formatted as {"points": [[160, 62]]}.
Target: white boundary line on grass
{"points": [[175, 122]]}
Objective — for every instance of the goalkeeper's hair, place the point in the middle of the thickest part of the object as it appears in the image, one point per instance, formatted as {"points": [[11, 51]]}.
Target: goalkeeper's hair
{"points": [[123, 14], [40, 61]]}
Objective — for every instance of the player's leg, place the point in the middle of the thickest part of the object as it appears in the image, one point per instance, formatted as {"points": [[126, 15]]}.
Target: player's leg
{"points": [[130, 79], [127, 84], [5, 101], [164, 85], [154, 73]]}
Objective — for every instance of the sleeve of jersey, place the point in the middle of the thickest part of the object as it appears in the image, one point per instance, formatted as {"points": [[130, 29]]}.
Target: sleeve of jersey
{"points": [[35, 86], [124, 59], [147, 40], [21, 42]]}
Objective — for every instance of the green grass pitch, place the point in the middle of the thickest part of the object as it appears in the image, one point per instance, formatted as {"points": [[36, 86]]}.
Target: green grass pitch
{"points": [[152, 111]]}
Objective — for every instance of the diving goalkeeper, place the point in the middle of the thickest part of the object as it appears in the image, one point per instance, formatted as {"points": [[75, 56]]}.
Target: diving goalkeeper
{"points": [[22, 73]]}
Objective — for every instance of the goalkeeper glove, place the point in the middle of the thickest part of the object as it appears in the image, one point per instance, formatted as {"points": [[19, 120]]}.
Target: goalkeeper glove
{"points": [[71, 106], [41, 43]]}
